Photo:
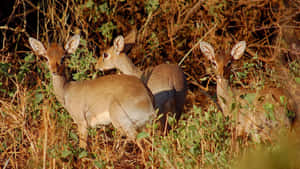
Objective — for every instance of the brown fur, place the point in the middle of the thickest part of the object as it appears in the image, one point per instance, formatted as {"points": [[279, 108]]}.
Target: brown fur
{"points": [[121, 100], [166, 81], [252, 117]]}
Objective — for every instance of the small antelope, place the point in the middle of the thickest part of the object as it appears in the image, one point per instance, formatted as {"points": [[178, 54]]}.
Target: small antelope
{"points": [[121, 100], [257, 113], [166, 81], [293, 89]]}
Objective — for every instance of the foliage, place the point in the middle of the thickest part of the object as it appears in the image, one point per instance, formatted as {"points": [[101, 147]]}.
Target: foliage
{"points": [[82, 62], [202, 140], [36, 131]]}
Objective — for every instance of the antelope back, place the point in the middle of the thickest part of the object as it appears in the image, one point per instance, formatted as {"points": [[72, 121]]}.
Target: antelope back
{"points": [[119, 99], [263, 111]]}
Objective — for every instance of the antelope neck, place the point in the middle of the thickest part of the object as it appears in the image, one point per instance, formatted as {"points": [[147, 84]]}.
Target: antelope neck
{"points": [[128, 67], [59, 83], [225, 94]]}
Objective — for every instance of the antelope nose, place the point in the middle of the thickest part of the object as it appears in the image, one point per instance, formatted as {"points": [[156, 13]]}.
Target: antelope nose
{"points": [[98, 67]]}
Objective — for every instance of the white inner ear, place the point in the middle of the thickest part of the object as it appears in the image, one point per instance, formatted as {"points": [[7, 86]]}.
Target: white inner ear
{"points": [[72, 44], [37, 46], [119, 44], [238, 50], [207, 50]]}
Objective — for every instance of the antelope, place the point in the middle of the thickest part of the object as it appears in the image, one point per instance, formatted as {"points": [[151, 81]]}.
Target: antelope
{"points": [[293, 89], [166, 81], [259, 116], [122, 100]]}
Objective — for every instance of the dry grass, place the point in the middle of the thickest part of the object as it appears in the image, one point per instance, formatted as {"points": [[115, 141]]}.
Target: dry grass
{"points": [[36, 132]]}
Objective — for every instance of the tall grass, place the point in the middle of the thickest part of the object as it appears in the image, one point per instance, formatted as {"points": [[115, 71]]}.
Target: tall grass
{"points": [[37, 132]]}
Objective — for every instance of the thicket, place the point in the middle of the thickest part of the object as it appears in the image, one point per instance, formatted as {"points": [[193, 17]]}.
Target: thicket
{"points": [[37, 132]]}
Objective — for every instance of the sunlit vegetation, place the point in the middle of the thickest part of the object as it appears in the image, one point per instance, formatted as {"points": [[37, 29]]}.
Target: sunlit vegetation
{"points": [[37, 132]]}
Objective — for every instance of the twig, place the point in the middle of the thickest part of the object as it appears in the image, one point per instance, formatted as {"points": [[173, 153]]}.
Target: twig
{"points": [[163, 154], [8, 21], [145, 25], [197, 44], [6, 163], [24, 15], [46, 135], [187, 16]]}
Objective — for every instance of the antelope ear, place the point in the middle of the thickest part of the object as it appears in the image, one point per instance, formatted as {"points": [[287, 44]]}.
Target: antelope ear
{"points": [[238, 50], [72, 44], [208, 51], [119, 44], [37, 46], [131, 37]]}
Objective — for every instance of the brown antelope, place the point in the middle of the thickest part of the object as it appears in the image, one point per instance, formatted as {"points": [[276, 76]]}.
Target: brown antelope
{"points": [[293, 88], [166, 81], [121, 100], [289, 83], [258, 113]]}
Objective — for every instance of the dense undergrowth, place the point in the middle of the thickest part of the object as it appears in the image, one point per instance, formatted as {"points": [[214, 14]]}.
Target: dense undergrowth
{"points": [[37, 132]]}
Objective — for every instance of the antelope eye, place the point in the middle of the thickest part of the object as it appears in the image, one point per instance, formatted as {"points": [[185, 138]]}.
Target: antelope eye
{"points": [[105, 55]]}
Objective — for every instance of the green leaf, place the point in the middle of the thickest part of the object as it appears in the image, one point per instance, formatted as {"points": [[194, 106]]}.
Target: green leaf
{"points": [[250, 97], [204, 78], [282, 100], [233, 106], [192, 127], [107, 29], [89, 4], [269, 108], [82, 154], [297, 79], [4, 68], [29, 58], [272, 116], [290, 114], [66, 153], [99, 164], [142, 135], [219, 116], [73, 136], [241, 74], [38, 97], [104, 8], [151, 5]]}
